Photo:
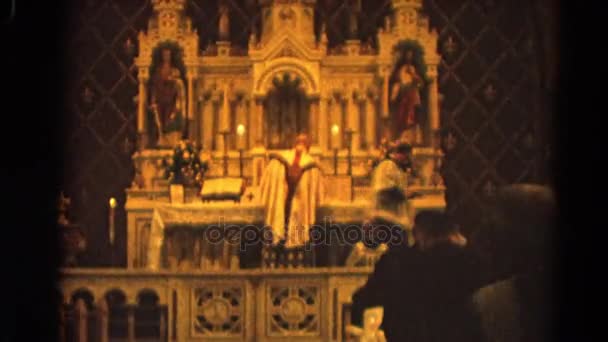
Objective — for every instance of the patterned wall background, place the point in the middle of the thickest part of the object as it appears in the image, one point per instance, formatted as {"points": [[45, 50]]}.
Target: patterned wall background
{"points": [[495, 112]]}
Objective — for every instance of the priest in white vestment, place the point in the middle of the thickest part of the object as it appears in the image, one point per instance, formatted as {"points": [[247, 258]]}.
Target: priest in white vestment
{"points": [[291, 189], [389, 185]]}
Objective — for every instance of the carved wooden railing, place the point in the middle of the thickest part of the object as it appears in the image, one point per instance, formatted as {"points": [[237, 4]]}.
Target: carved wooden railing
{"points": [[306, 304]]}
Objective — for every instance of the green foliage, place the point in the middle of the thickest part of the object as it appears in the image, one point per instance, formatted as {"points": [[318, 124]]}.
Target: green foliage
{"points": [[184, 166]]}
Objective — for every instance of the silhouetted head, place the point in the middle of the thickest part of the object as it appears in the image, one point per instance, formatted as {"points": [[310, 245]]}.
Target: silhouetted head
{"points": [[302, 143], [401, 153], [432, 227], [517, 232]]}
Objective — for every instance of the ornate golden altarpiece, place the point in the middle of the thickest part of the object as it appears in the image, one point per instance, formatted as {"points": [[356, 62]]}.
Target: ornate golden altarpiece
{"points": [[226, 87]]}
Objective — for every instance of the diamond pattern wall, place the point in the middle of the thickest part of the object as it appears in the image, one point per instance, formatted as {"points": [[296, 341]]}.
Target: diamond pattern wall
{"points": [[491, 105]]}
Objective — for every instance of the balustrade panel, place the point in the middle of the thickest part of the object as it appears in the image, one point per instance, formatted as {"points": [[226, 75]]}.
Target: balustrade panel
{"points": [[243, 305]]}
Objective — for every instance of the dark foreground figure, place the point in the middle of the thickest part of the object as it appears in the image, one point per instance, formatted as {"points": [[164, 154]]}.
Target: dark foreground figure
{"points": [[425, 289], [517, 245], [495, 289]]}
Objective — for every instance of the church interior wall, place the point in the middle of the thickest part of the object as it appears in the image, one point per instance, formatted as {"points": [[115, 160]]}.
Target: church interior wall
{"points": [[480, 98]]}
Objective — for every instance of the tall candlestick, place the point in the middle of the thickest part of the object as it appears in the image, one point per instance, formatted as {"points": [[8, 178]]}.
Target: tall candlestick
{"points": [[111, 220], [349, 137], [385, 108], [226, 109]]}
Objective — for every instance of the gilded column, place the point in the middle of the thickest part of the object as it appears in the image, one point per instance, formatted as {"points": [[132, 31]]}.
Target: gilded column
{"points": [[207, 123], [141, 106], [370, 120], [225, 121], [385, 95], [322, 123], [252, 122], [190, 113], [353, 119], [224, 124], [217, 105], [259, 105], [313, 119], [433, 105], [336, 119]]}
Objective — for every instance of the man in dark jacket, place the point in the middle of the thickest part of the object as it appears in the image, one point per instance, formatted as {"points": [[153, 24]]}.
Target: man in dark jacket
{"points": [[425, 289]]}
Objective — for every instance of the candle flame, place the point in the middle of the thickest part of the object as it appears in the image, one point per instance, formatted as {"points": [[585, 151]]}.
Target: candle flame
{"points": [[335, 129], [112, 202], [240, 130]]}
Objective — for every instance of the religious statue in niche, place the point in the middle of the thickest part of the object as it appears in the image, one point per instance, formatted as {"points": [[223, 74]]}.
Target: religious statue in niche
{"points": [[408, 82], [353, 18], [224, 23], [167, 95]]}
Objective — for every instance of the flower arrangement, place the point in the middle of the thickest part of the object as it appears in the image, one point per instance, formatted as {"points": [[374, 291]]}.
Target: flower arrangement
{"points": [[185, 166]]}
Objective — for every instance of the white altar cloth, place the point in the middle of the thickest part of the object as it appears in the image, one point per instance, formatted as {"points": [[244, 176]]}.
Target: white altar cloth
{"points": [[196, 215]]}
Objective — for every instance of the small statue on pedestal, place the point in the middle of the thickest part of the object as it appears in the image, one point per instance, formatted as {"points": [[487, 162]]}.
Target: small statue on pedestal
{"points": [[371, 332], [224, 22], [353, 19]]}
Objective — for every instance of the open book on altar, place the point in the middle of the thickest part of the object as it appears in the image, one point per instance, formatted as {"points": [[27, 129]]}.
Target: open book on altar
{"points": [[225, 188]]}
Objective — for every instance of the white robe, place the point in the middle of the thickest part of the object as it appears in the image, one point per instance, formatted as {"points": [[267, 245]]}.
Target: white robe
{"points": [[386, 176], [308, 195]]}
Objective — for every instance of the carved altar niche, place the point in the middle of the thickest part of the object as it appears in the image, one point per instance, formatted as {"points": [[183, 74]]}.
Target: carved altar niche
{"points": [[288, 101], [286, 112], [168, 30]]}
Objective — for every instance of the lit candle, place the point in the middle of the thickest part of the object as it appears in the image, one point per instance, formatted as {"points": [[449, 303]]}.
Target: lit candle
{"points": [[240, 132], [335, 138], [111, 228]]}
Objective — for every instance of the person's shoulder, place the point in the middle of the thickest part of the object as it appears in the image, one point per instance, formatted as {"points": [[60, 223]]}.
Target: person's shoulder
{"points": [[498, 309], [500, 291]]}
